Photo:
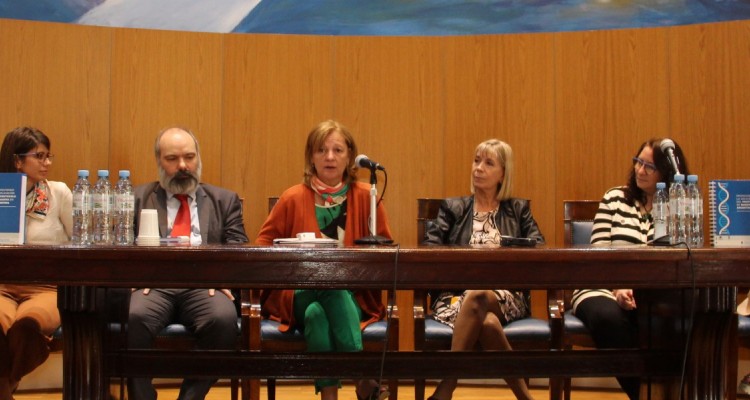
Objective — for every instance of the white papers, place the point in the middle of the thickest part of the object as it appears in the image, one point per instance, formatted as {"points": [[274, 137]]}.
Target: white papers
{"points": [[306, 241]]}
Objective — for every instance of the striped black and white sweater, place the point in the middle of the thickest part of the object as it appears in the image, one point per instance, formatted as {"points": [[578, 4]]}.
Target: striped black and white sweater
{"points": [[616, 223]]}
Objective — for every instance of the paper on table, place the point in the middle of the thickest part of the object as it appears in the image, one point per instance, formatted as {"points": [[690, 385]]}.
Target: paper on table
{"points": [[313, 240]]}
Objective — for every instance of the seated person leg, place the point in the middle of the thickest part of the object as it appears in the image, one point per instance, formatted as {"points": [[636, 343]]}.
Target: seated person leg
{"points": [[343, 314], [148, 315], [611, 327], [28, 338], [315, 326], [213, 320]]}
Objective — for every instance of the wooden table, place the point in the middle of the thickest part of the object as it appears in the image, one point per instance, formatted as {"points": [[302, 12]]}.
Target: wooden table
{"points": [[88, 362]]}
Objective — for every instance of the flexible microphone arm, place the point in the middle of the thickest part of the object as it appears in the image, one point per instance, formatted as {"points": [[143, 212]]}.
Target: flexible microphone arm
{"points": [[667, 147]]}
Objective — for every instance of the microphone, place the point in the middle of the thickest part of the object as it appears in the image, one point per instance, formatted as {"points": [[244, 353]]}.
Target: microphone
{"points": [[363, 162], [667, 147]]}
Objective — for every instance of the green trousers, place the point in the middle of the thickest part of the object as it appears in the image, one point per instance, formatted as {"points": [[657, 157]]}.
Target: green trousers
{"points": [[330, 322]]}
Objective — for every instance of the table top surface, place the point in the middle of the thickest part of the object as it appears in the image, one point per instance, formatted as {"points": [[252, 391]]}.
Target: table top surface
{"points": [[375, 266]]}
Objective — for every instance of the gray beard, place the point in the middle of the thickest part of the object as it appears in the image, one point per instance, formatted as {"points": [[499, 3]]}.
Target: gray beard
{"points": [[180, 186]]}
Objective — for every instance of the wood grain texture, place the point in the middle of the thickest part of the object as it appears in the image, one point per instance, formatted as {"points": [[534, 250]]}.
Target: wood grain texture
{"points": [[389, 92], [611, 95], [710, 98], [276, 89], [162, 79], [55, 77]]}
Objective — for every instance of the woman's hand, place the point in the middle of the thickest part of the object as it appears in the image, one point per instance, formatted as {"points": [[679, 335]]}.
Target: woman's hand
{"points": [[625, 298]]}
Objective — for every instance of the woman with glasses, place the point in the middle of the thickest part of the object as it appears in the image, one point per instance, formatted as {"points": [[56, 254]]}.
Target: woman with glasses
{"points": [[28, 313], [624, 217]]}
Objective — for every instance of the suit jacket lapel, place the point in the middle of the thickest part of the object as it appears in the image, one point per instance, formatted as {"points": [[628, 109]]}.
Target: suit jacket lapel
{"points": [[204, 212], [158, 201]]}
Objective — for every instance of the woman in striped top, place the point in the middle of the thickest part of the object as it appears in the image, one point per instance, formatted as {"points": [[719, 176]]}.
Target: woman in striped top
{"points": [[624, 217]]}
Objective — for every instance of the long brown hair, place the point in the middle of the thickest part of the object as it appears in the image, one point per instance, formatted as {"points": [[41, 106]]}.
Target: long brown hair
{"points": [[663, 166]]}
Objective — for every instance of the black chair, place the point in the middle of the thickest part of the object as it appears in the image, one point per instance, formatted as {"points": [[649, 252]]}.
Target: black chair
{"points": [[264, 335], [429, 334]]}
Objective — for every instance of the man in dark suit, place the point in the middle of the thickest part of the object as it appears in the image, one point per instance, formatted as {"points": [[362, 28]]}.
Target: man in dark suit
{"points": [[204, 214]]}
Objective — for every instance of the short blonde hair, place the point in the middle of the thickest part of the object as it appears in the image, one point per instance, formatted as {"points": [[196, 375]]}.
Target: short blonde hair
{"points": [[504, 155], [315, 139]]}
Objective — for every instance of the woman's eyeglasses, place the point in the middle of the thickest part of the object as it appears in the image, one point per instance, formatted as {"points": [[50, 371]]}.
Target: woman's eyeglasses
{"points": [[41, 156], [648, 167]]}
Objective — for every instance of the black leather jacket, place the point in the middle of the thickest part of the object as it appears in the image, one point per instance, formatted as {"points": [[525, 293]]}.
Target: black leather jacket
{"points": [[454, 221]]}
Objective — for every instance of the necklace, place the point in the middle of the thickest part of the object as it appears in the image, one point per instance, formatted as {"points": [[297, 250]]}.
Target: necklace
{"points": [[645, 212]]}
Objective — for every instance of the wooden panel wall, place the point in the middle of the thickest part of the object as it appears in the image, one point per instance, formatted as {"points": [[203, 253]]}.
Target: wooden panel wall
{"points": [[611, 95], [56, 77], [574, 106], [276, 88], [161, 79]]}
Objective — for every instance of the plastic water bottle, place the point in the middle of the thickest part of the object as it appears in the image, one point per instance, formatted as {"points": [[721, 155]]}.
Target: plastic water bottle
{"points": [[102, 195], [677, 205], [695, 207], [82, 209], [660, 210], [124, 209]]}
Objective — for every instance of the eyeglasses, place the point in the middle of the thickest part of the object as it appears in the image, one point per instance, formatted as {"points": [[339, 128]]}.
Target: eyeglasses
{"points": [[648, 167], [41, 156]]}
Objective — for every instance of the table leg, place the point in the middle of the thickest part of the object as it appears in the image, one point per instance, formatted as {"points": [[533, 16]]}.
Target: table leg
{"points": [[83, 338]]}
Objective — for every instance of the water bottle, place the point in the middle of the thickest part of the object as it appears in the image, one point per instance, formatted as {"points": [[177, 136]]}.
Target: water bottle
{"points": [[660, 210], [102, 209], [82, 209], [124, 209], [695, 205], [677, 203]]}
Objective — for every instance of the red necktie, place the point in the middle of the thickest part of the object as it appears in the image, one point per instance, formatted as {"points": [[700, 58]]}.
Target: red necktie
{"points": [[181, 226]]}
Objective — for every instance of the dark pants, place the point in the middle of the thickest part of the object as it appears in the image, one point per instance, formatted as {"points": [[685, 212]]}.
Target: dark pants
{"points": [[213, 320], [612, 327]]}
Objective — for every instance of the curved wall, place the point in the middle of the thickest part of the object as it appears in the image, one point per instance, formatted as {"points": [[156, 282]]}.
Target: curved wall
{"points": [[575, 106]]}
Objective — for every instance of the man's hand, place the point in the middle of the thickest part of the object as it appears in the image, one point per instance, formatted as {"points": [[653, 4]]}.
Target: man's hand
{"points": [[227, 292], [625, 298], [145, 291]]}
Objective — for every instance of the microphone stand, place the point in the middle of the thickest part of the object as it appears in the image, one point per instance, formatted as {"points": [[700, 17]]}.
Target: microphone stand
{"points": [[373, 238]]}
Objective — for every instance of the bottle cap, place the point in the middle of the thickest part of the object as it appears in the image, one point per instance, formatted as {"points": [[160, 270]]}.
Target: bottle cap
{"points": [[679, 178], [103, 173], [124, 173], [83, 173], [661, 185], [692, 178]]}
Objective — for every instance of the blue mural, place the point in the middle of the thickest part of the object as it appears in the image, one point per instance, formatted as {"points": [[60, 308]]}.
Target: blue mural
{"points": [[378, 17]]}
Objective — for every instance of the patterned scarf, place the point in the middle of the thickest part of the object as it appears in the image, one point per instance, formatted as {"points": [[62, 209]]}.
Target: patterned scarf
{"points": [[332, 195], [37, 201]]}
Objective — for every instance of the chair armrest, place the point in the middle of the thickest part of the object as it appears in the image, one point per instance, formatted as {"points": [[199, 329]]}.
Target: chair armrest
{"points": [[419, 311], [393, 321], [250, 319], [556, 314]]}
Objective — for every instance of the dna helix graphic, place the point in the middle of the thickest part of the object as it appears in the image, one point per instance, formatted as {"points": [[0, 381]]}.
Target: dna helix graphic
{"points": [[723, 221]]}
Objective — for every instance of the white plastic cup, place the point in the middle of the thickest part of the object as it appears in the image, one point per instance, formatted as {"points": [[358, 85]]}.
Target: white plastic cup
{"points": [[148, 228]]}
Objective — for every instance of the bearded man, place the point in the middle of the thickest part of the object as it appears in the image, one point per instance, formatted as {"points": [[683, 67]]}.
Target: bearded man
{"points": [[203, 214]]}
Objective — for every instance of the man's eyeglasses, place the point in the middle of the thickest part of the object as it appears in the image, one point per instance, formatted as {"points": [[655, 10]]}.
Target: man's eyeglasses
{"points": [[41, 156], [648, 167]]}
